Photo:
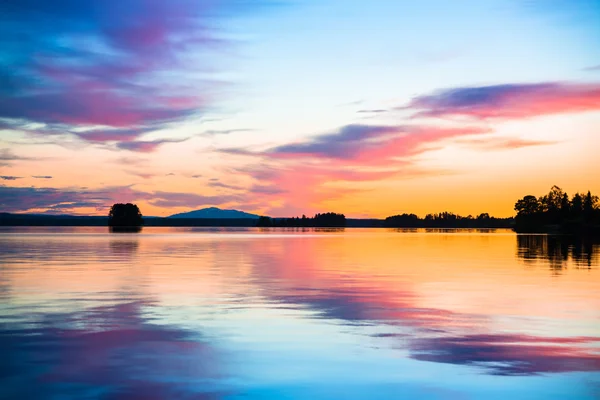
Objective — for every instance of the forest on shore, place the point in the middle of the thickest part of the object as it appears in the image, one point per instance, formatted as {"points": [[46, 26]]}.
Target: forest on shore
{"points": [[556, 212]]}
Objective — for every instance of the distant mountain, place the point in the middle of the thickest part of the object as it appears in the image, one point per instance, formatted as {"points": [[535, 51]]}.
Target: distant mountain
{"points": [[215, 213]]}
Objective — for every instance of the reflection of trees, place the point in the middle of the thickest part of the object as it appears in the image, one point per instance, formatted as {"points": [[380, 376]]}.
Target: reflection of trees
{"points": [[558, 250], [124, 247]]}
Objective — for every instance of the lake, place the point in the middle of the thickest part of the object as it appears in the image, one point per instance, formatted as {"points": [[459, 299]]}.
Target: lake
{"points": [[188, 313]]}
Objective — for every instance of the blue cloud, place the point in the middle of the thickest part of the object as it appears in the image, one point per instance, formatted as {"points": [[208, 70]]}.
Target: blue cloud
{"points": [[117, 64]]}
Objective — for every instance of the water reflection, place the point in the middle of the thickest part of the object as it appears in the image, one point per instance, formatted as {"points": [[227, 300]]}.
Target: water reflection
{"points": [[198, 313], [428, 333], [124, 247], [110, 352], [511, 354], [125, 229], [559, 250]]}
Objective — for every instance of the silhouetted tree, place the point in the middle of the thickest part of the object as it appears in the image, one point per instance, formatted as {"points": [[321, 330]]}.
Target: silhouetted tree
{"points": [[577, 206], [565, 207], [589, 203], [125, 217], [329, 219], [402, 221], [527, 206]]}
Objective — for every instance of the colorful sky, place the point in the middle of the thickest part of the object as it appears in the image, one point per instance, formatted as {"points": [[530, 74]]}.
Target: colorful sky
{"points": [[370, 108]]}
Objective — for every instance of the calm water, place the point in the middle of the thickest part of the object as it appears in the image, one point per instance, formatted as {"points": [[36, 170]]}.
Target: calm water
{"points": [[182, 313]]}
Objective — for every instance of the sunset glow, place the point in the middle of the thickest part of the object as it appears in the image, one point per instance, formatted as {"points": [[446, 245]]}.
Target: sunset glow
{"points": [[287, 108]]}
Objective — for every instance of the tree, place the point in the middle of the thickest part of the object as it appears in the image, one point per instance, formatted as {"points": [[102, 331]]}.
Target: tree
{"points": [[589, 204], [329, 219], [402, 221], [125, 217], [565, 207], [577, 205], [528, 205], [552, 201]]}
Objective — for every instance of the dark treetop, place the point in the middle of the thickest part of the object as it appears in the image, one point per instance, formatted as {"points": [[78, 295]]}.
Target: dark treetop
{"points": [[124, 216]]}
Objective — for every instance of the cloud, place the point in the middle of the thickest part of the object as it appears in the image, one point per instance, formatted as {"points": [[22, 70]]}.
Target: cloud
{"points": [[111, 135], [354, 153], [20, 199], [219, 184], [593, 68], [143, 175], [146, 146], [7, 157], [189, 200], [132, 161], [10, 178], [216, 132], [508, 101], [130, 67], [41, 176], [367, 144], [27, 199], [505, 143], [373, 111]]}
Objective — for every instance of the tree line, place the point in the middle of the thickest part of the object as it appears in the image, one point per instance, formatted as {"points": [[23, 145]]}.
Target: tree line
{"points": [[446, 220], [557, 212], [326, 220], [554, 212]]}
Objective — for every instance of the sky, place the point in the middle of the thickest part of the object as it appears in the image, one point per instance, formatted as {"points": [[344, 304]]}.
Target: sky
{"points": [[283, 108]]}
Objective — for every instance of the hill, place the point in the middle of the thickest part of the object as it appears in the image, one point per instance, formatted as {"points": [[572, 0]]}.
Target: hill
{"points": [[215, 213]]}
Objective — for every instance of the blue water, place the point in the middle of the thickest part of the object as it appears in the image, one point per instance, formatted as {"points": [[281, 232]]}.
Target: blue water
{"points": [[184, 313]]}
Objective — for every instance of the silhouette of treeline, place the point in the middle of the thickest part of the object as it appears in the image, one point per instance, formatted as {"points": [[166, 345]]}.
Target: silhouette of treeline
{"points": [[557, 213], [446, 220], [326, 220]]}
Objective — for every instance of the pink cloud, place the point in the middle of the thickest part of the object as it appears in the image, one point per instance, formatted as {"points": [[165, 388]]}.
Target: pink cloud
{"points": [[305, 174], [508, 101]]}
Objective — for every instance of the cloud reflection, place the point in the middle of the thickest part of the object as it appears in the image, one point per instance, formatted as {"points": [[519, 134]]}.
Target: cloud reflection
{"points": [[510, 354], [429, 334], [111, 352]]}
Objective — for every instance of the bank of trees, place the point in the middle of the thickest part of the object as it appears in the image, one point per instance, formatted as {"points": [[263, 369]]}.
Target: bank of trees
{"points": [[327, 220], [447, 220], [557, 212]]}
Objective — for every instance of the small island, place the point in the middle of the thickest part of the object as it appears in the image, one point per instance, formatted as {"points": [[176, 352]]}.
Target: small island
{"points": [[125, 218]]}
